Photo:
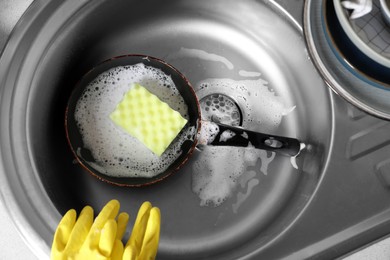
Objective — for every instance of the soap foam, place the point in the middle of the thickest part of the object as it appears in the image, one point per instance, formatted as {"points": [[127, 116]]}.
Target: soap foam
{"points": [[215, 174], [261, 108], [226, 135], [115, 152], [202, 55], [208, 132], [217, 171]]}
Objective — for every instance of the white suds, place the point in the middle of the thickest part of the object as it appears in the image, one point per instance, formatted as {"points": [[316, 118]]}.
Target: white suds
{"points": [[226, 135], [200, 54], [249, 74], [293, 161], [115, 152], [217, 169], [208, 132]]}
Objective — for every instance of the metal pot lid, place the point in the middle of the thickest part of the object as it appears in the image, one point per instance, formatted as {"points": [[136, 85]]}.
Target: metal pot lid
{"points": [[365, 86]]}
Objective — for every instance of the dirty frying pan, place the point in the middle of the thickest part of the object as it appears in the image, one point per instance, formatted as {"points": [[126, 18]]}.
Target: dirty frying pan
{"points": [[207, 132]]}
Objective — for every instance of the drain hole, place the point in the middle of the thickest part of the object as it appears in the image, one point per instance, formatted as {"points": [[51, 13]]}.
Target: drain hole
{"points": [[220, 108], [273, 143]]}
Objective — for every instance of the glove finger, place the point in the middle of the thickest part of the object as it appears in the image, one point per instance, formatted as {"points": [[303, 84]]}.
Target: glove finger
{"points": [[123, 219], [130, 253], [137, 235], [80, 230], [109, 211], [62, 234], [108, 237], [152, 235], [117, 251]]}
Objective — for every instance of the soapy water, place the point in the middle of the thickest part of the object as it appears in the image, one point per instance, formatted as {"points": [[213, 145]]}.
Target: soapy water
{"points": [[215, 174], [249, 74], [218, 171], [293, 159], [208, 132], [201, 55], [115, 152], [250, 183], [262, 110], [226, 135]]}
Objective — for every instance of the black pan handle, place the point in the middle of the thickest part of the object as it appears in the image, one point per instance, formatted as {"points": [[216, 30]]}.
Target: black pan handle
{"points": [[239, 137]]}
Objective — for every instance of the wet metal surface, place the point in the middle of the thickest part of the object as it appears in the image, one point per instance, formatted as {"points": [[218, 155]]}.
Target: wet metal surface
{"points": [[283, 214]]}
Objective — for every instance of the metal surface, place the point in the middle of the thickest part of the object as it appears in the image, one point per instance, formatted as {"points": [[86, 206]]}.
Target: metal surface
{"points": [[348, 210], [84, 153], [361, 65], [368, 95], [63, 47], [228, 110], [369, 33]]}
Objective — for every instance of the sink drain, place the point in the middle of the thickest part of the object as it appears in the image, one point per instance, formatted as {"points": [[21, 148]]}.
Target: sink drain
{"points": [[222, 109]]}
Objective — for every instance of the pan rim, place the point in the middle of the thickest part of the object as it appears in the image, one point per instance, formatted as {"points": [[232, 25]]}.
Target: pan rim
{"points": [[127, 181]]}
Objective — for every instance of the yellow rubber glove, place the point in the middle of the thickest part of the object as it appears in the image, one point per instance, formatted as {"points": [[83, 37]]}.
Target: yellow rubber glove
{"points": [[143, 242], [101, 239], [87, 239]]}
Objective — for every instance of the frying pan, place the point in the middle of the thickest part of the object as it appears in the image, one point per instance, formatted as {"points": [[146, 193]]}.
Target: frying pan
{"points": [[201, 136]]}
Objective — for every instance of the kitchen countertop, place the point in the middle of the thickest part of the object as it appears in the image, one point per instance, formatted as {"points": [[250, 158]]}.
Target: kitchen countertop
{"points": [[11, 244]]}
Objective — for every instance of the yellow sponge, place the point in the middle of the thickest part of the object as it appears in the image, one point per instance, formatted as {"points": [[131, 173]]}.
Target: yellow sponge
{"points": [[144, 116]]}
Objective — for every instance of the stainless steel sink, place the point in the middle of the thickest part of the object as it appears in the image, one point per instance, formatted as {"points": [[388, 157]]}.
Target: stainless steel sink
{"points": [[332, 204]]}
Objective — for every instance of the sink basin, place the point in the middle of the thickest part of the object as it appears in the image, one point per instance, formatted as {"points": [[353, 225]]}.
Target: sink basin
{"points": [[225, 44]]}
